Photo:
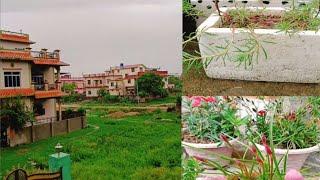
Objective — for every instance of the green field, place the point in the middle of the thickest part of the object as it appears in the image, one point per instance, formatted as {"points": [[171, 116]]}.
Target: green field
{"points": [[145, 146]]}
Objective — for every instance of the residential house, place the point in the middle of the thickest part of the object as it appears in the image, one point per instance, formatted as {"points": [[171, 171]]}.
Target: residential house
{"points": [[66, 78], [119, 80], [33, 75]]}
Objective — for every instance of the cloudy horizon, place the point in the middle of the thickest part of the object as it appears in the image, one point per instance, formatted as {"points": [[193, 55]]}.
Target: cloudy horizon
{"points": [[94, 35]]}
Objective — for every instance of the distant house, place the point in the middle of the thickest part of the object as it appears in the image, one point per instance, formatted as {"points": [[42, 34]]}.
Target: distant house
{"points": [[119, 80], [66, 78]]}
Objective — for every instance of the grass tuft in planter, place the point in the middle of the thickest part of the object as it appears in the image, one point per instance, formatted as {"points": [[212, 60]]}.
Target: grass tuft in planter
{"points": [[260, 44]]}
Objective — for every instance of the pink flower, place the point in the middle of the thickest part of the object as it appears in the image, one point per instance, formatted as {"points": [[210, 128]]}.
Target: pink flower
{"points": [[224, 138], [254, 150], [268, 149], [262, 113], [291, 116], [293, 174], [264, 139], [210, 99], [196, 101]]}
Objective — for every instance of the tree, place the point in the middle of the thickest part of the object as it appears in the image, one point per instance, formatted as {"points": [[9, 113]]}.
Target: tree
{"points": [[106, 97], [177, 83], [69, 87], [152, 85], [15, 114]]}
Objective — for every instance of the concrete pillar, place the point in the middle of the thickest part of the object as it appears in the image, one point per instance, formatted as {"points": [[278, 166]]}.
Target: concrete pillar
{"points": [[62, 161], [60, 109], [58, 83]]}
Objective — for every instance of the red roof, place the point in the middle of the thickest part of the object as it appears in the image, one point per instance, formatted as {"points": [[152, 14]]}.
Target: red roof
{"points": [[13, 54], [49, 62], [5, 93], [22, 38], [48, 94]]}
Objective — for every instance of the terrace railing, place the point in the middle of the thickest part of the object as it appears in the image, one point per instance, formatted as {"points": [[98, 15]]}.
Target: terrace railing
{"points": [[45, 55]]}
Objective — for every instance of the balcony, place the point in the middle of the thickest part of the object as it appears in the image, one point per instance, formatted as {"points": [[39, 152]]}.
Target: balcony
{"points": [[28, 54], [48, 90]]}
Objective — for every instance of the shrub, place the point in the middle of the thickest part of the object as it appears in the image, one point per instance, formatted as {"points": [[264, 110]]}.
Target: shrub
{"points": [[15, 114]]}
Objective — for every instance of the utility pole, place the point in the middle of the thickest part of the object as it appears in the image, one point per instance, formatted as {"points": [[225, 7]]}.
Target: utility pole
{"points": [[138, 91]]}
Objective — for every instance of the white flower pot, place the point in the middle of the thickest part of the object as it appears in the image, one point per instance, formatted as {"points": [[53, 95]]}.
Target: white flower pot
{"points": [[290, 59], [296, 157], [211, 152]]}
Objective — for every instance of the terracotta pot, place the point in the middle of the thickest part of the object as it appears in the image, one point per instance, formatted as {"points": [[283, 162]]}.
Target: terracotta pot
{"points": [[209, 151], [296, 157]]}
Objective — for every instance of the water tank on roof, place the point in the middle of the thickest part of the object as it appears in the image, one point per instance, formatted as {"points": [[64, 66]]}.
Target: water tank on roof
{"points": [[121, 65]]}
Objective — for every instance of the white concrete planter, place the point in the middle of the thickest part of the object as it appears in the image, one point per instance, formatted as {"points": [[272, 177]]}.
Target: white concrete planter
{"points": [[290, 59], [296, 157], [209, 151]]}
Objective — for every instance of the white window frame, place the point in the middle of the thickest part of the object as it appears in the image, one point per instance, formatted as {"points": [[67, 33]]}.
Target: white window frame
{"points": [[15, 79]]}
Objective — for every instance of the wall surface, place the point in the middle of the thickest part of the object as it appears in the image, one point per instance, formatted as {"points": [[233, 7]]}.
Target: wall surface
{"points": [[43, 131], [13, 66]]}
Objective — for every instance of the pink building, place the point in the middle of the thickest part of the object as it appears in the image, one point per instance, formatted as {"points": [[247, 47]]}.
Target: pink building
{"points": [[78, 81]]}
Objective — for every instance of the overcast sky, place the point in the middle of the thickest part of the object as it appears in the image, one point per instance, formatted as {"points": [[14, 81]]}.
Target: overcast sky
{"points": [[96, 34]]}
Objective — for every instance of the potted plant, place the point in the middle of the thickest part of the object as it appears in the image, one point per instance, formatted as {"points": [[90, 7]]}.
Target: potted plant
{"points": [[207, 119], [261, 44], [261, 166], [294, 134]]}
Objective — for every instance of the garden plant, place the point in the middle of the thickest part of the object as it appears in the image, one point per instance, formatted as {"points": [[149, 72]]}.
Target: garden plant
{"points": [[243, 36], [207, 118], [280, 135]]}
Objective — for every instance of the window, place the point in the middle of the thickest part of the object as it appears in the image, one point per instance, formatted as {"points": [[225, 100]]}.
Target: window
{"points": [[100, 81], [129, 81], [89, 82], [112, 84], [89, 92], [39, 109], [12, 79], [141, 69], [132, 69]]}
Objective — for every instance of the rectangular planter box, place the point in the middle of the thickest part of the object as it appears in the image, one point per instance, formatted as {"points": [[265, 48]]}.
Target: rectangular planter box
{"points": [[290, 59]]}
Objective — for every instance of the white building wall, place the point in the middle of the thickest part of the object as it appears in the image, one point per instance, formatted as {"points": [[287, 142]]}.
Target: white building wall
{"points": [[23, 67]]}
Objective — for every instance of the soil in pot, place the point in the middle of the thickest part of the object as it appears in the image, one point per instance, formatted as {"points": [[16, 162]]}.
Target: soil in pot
{"points": [[254, 20], [291, 20]]}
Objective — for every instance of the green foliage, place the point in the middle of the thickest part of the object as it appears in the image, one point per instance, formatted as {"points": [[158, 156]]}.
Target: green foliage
{"points": [[15, 114], [68, 87], [135, 144], [151, 85], [81, 110], [208, 120], [293, 130], [189, 10], [106, 97], [301, 18], [191, 169], [72, 98], [177, 83]]}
